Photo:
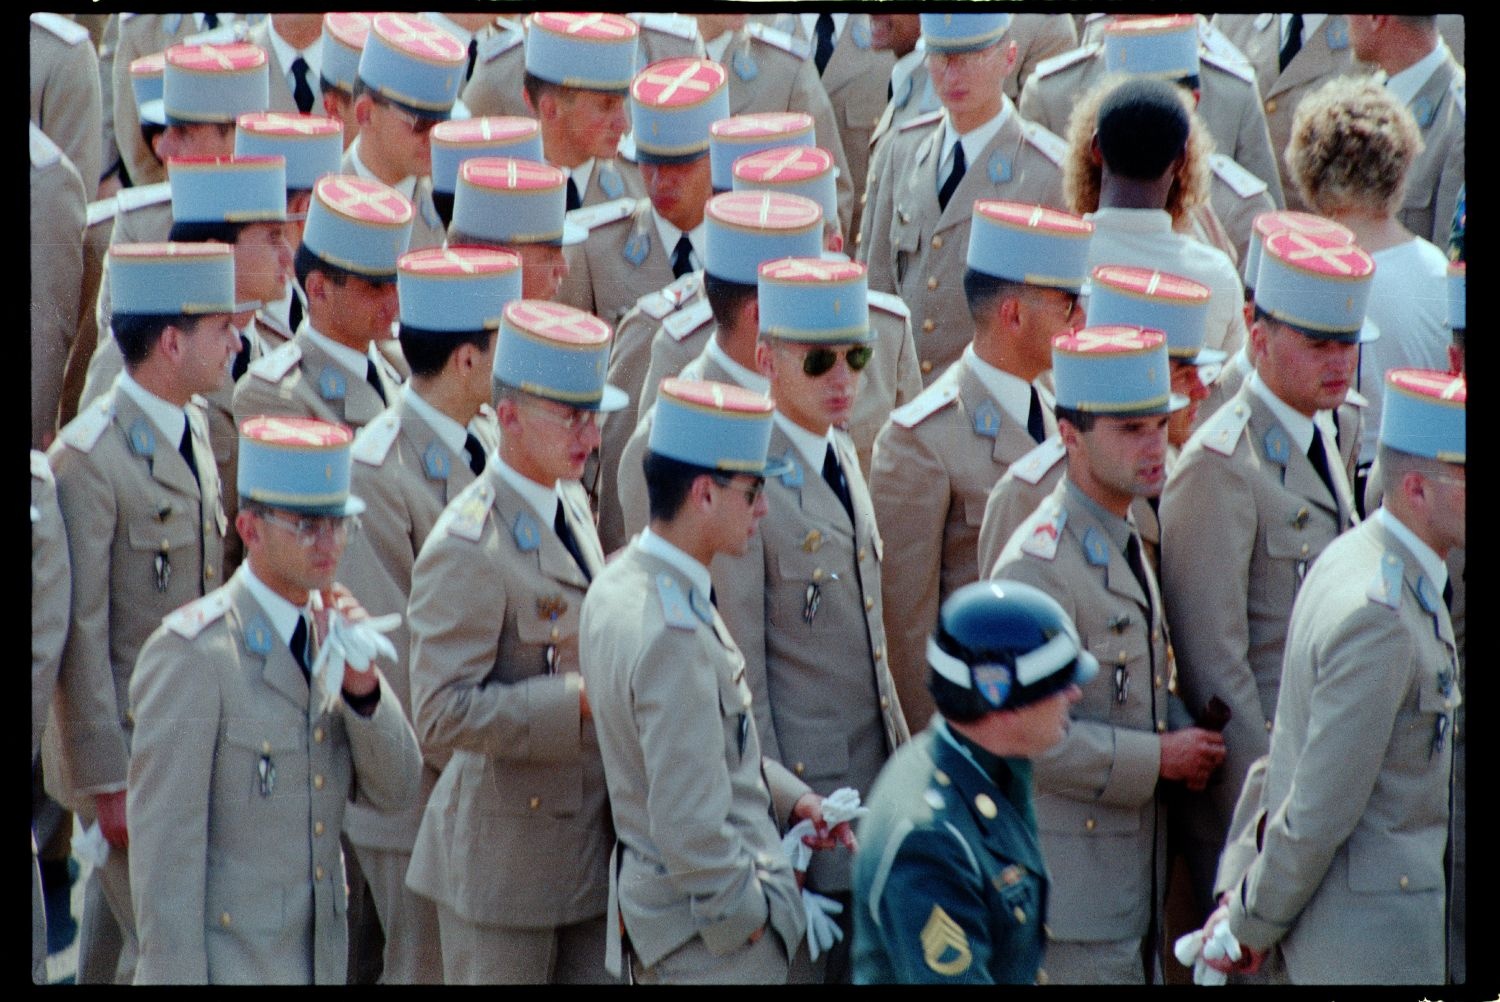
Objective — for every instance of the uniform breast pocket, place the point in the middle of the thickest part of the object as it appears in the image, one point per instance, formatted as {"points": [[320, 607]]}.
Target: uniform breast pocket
{"points": [[261, 761], [1018, 897], [906, 240], [1294, 542], [166, 546], [549, 789], [1121, 693], [551, 644]]}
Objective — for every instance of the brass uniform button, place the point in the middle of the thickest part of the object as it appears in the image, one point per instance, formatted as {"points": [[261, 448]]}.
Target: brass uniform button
{"points": [[130, 717], [1305, 549], [1089, 824], [1158, 681], [885, 704], [869, 603], [1404, 881], [862, 554], [1271, 106], [937, 243], [1268, 727], [555, 634], [928, 326], [265, 747], [986, 805], [225, 920], [879, 653], [926, 366], [941, 777], [318, 873], [318, 735], [817, 574], [1020, 915], [318, 781], [317, 828], [534, 803], [932, 283], [208, 571], [799, 768], [1041, 976], [1161, 727]]}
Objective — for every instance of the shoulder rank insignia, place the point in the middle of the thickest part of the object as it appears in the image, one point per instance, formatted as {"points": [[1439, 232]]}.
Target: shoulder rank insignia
{"points": [[945, 947], [674, 603], [373, 442], [917, 121], [466, 520], [1051, 145], [130, 199], [142, 438], [781, 39], [1220, 61], [793, 475], [1222, 432], [637, 247], [859, 32], [744, 65], [999, 168], [72, 32], [100, 211], [527, 533], [1423, 109], [436, 461], [1337, 33], [1356, 398], [1033, 466], [189, 621], [889, 302], [925, 404], [1240, 181], [1042, 542], [500, 41], [610, 182], [1278, 447], [82, 433], [1096, 547], [274, 366], [259, 637], [1065, 59], [687, 320], [1385, 588], [39, 467], [332, 383], [987, 419]]}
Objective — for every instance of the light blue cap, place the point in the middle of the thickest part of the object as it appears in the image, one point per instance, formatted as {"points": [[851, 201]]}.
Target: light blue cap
{"points": [[358, 224], [591, 51], [227, 189], [672, 104], [738, 135], [146, 84], [171, 279], [457, 289], [343, 41], [716, 426], [962, 32], [1114, 370], [746, 228], [1162, 47], [794, 170], [298, 464], [211, 83], [1458, 283], [1423, 414], [458, 140], [1284, 219], [1317, 284], [1120, 295], [511, 201], [312, 145], [1033, 244], [813, 301], [558, 353], [414, 63]]}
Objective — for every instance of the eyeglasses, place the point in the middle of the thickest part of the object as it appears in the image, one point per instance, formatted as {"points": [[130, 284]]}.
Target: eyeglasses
{"points": [[752, 493], [307, 530], [575, 420], [819, 360], [417, 124]]}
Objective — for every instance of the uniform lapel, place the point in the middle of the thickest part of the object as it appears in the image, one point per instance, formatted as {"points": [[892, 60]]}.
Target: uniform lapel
{"points": [[814, 497], [977, 182], [1313, 60], [263, 649], [1298, 475], [576, 511], [423, 442], [844, 65], [164, 461], [1012, 440], [553, 558], [970, 785]]}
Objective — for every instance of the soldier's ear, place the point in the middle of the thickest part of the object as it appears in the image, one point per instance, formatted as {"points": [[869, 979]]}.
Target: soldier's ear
{"points": [[765, 357]]}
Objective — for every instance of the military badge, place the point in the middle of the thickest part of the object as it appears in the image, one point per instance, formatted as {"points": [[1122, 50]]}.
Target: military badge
{"points": [[550, 607], [744, 65], [945, 947], [999, 168], [332, 384], [993, 683], [436, 462], [142, 438], [987, 419], [610, 183], [636, 248]]}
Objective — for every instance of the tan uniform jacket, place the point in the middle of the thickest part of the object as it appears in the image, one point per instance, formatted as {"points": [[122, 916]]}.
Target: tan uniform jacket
{"points": [[1244, 516], [130, 504], [496, 88], [699, 851], [921, 256], [302, 380], [99, 227], [406, 476], [235, 881], [65, 100], [1095, 792], [517, 831], [57, 227], [825, 703], [51, 592], [280, 89], [1235, 198], [621, 261], [916, 97], [935, 462], [1349, 877], [1433, 182], [142, 215], [610, 180]]}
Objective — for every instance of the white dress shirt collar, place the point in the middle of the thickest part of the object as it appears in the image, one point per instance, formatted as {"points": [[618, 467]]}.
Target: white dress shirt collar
{"points": [[750, 380], [695, 572], [287, 54], [1298, 426], [543, 499], [355, 362], [669, 235], [812, 446], [449, 432], [1433, 567], [975, 140], [169, 419], [1405, 86], [810, 27], [407, 185], [282, 614], [1010, 391]]}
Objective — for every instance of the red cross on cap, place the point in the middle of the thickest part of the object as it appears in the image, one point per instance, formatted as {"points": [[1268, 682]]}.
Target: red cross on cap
{"points": [[347, 26], [556, 322], [717, 396], [510, 174], [605, 27], [415, 36], [812, 269], [1150, 23], [232, 58], [764, 210], [296, 431], [674, 82], [786, 164], [364, 200], [769, 123], [1155, 284], [1427, 383], [1111, 339], [459, 261], [281, 123], [148, 66], [1319, 255], [165, 249], [1033, 217], [1268, 223], [490, 129]]}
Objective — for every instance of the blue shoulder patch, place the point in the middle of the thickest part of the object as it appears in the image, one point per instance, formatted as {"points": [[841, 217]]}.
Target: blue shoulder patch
{"points": [[332, 383], [142, 438], [527, 533], [987, 419], [674, 604], [1386, 586], [1278, 447], [1096, 547]]}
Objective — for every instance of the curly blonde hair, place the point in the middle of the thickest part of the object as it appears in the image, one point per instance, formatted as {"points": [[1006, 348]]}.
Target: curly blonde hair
{"points": [[1352, 146], [1081, 174]]}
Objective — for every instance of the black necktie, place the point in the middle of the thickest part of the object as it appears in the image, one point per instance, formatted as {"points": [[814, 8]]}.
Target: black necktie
{"points": [[823, 51], [1448, 593], [476, 453], [373, 377], [1035, 427], [299, 646], [302, 90], [294, 314], [210, 21], [1138, 566], [186, 448], [681, 262], [473, 55], [954, 176], [565, 533], [1293, 41], [833, 472], [1318, 456], [574, 202], [241, 360]]}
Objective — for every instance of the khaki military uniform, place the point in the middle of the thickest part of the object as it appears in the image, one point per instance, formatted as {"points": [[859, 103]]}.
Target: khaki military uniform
{"points": [[666, 36], [697, 866], [239, 880], [65, 99], [303, 380], [1433, 183], [1229, 105], [921, 256], [57, 226], [935, 462], [497, 86], [1235, 198], [99, 226], [280, 89], [406, 476], [514, 845], [427, 228], [621, 261], [1096, 791]]}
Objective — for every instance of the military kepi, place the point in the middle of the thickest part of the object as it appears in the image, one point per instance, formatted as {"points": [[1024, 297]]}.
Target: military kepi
{"points": [[1119, 370], [457, 290], [1162, 47], [715, 426], [458, 140], [673, 102], [812, 301], [512, 201], [1423, 414], [228, 189], [297, 464], [210, 83], [1458, 286], [591, 51], [740, 135], [745, 228], [1031, 244], [794, 170], [1142, 297], [171, 279], [558, 353], [343, 42], [359, 225], [412, 62], [1316, 284], [1268, 223], [311, 145], [962, 32]]}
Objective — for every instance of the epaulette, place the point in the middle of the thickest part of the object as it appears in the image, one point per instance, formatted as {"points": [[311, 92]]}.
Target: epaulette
{"points": [[373, 442], [668, 298], [1356, 398], [1033, 466], [1385, 587], [189, 621], [40, 468], [82, 433], [1240, 180], [917, 121], [682, 323], [1052, 146], [274, 367], [1041, 542], [668, 24], [1065, 59], [44, 152], [224, 34], [139, 197], [502, 41], [889, 302], [796, 46], [675, 609], [592, 216], [467, 515], [1233, 67], [99, 211], [1222, 432], [927, 403], [70, 32]]}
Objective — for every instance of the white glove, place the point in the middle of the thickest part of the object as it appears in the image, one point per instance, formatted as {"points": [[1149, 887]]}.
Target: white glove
{"points": [[354, 644], [822, 930], [90, 846], [843, 805], [1197, 949], [796, 850]]}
